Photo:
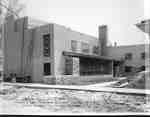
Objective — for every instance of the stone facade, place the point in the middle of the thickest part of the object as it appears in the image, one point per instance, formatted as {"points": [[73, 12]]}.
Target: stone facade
{"points": [[76, 66]]}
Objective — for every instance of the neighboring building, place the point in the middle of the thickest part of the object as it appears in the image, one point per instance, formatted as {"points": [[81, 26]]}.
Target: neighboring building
{"points": [[50, 50], [144, 26], [134, 56]]}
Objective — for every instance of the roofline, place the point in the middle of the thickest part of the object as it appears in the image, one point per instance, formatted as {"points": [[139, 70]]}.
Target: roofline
{"points": [[68, 28], [128, 45], [74, 54]]}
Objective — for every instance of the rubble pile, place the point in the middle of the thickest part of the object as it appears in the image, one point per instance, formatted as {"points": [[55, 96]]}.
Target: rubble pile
{"points": [[137, 81]]}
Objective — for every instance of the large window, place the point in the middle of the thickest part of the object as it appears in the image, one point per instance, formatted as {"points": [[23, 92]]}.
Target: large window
{"points": [[46, 45], [47, 69], [73, 45], [128, 56], [85, 47], [143, 55]]}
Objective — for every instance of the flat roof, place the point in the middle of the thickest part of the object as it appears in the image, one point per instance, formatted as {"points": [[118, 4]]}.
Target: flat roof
{"points": [[81, 55]]}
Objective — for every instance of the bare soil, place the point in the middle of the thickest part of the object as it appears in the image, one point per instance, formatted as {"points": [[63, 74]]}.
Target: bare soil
{"points": [[68, 101]]}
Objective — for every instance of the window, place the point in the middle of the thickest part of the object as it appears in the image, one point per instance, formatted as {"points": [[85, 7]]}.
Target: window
{"points": [[85, 47], [95, 50], [143, 55], [46, 45], [128, 56], [128, 69], [47, 69], [142, 68], [73, 45]]}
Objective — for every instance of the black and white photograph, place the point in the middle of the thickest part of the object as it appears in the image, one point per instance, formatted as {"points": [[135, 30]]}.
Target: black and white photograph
{"points": [[74, 57]]}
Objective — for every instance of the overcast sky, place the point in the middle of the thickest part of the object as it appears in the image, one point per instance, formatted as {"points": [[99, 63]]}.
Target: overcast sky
{"points": [[86, 15]]}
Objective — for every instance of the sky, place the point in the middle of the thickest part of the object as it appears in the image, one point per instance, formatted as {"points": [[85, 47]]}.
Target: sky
{"points": [[86, 15]]}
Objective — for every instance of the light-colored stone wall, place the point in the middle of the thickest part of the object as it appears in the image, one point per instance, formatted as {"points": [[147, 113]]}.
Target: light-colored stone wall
{"points": [[23, 49], [38, 58], [62, 42]]}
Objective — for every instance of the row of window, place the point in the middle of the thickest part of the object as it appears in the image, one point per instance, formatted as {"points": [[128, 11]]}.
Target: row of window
{"points": [[85, 47], [129, 56]]}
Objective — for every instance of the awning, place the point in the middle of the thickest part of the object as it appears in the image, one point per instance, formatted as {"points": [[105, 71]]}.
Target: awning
{"points": [[81, 55]]}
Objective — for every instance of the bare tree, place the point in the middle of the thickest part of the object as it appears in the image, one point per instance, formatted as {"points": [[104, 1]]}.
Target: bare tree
{"points": [[7, 8]]}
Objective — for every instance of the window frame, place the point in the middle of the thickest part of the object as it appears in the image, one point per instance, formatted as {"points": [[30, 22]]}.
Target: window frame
{"points": [[46, 45], [45, 71], [85, 47]]}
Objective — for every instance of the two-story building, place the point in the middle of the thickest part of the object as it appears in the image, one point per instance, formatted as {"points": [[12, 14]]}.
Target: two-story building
{"points": [[48, 50]]}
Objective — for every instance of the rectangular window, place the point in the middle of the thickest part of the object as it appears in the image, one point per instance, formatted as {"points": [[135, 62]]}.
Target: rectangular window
{"points": [[95, 50], [85, 47], [46, 45], [128, 69], [47, 69], [143, 55], [128, 56], [73, 45]]}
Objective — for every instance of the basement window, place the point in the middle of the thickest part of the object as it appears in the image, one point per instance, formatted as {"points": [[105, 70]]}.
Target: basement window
{"points": [[47, 69]]}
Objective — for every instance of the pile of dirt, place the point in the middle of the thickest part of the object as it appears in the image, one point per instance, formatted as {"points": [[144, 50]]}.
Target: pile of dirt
{"points": [[137, 81]]}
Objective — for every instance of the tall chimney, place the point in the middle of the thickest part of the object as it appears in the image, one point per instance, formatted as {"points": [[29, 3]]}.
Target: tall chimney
{"points": [[102, 39]]}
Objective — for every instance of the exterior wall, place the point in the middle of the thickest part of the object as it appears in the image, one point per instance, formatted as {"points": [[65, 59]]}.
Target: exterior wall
{"points": [[62, 42], [13, 49], [38, 58], [23, 49], [120, 51]]}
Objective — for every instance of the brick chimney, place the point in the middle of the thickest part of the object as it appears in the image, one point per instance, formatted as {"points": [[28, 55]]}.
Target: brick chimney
{"points": [[102, 31]]}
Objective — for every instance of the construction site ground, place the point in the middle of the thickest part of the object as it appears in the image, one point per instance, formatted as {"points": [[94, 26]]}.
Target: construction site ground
{"points": [[42, 99]]}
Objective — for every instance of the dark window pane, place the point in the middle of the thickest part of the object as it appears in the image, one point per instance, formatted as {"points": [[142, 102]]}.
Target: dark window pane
{"points": [[128, 56], [128, 69], [95, 50], [47, 69], [143, 55]]}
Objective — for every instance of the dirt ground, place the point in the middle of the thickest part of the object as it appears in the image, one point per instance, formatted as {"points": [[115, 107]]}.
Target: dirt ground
{"points": [[34, 101]]}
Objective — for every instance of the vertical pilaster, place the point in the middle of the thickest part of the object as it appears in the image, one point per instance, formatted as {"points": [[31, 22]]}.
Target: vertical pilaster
{"points": [[76, 66]]}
